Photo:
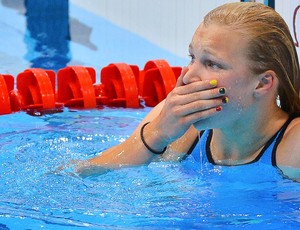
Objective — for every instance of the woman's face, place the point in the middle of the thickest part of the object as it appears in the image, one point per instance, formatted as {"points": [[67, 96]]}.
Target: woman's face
{"points": [[220, 53]]}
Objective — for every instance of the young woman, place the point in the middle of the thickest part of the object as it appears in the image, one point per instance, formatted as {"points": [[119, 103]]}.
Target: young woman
{"points": [[240, 88]]}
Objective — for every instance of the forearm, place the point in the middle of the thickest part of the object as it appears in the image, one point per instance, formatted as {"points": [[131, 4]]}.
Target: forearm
{"points": [[133, 152], [129, 153]]}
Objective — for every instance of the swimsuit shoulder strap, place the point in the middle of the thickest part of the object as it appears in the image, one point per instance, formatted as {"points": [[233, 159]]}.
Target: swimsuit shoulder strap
{"points": [[280, 135], [268, 153]]}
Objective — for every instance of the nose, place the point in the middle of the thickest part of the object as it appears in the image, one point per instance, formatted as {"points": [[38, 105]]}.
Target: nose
{"points": [[191, 75]]}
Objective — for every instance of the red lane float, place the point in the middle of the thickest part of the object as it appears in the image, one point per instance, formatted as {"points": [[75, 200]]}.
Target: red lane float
{"points": [[75, 87], [119, 82], [6, 85], [35, 92], [157, 80], [122, 85]]}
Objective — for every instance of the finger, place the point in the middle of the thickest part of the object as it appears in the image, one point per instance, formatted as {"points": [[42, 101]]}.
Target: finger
{"points": [[200, 115], [176, 98], [198, 106], [203, 95], [196, 86]]}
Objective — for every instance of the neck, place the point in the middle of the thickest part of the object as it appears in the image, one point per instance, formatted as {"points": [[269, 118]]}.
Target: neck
{"points": [[242, 141]]}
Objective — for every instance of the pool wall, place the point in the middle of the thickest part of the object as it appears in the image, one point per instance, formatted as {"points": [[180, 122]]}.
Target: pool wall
{"points": [[89, 38], [109, 31]]}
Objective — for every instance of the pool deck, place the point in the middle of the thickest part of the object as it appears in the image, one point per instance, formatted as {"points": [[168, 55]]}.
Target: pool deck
{"points": [[94, 41]]}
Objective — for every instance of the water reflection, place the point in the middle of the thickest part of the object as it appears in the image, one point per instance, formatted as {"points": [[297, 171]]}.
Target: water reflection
{"points": [[48, 34]]}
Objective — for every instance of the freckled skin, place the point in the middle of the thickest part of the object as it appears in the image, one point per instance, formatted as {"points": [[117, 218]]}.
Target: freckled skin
{"points": [[215, 44]]}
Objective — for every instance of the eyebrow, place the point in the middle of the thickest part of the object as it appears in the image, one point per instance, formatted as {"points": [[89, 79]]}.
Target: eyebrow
{"points": [[208, 51], [205, 50]]}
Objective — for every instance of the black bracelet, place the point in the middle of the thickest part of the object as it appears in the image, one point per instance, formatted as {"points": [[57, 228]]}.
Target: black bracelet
{"points": [[146, 145]]}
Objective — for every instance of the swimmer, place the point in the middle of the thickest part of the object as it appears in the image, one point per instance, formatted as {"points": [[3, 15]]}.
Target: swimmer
{"points": [[237, 100]]}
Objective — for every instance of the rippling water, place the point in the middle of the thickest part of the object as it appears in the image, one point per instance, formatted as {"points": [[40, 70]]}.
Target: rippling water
{"points": [[162, 195]]}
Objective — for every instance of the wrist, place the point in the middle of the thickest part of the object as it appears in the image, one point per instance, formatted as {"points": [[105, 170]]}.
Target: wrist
{"points": [[151, 140]]}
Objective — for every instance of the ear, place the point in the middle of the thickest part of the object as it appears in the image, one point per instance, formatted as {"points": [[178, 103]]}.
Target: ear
{"points": [[267, 82]]}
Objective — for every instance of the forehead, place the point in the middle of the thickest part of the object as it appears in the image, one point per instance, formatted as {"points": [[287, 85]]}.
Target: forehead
{"points": [[220, 41]]}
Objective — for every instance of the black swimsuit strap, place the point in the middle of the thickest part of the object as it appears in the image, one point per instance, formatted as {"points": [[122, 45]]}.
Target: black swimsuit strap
{"points": [[277, 141], [279, 134]]}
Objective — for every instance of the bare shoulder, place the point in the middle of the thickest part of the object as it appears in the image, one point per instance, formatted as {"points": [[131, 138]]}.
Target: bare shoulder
{"points": [[288, 151]]}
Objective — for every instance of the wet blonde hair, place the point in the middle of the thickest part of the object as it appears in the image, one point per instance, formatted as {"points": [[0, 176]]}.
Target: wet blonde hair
{"points": [[270, 47]]}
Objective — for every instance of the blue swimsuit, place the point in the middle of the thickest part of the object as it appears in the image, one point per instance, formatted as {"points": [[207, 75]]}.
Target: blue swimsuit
{"points": [[200, 150]]}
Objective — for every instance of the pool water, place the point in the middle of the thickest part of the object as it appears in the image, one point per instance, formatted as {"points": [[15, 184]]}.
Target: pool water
{"points": [[162, 195]]}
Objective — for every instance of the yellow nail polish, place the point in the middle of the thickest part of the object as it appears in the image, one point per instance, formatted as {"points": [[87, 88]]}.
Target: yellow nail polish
{"points": [[213, 82], [225, 100]]}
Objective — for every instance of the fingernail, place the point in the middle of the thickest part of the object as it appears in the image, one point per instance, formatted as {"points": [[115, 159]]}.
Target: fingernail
{"points": [[213, 82], [219, 108], [222, 91], [225, 100]]}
